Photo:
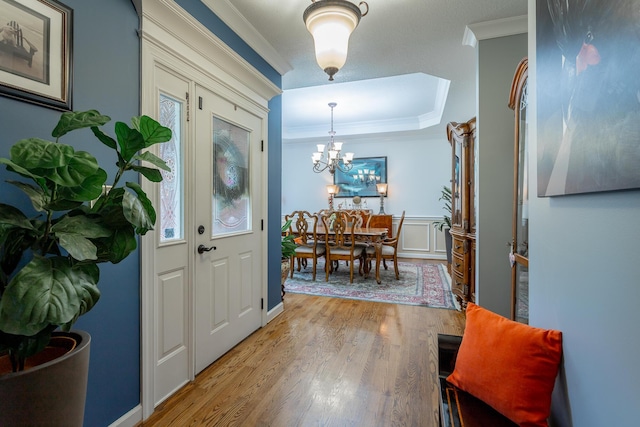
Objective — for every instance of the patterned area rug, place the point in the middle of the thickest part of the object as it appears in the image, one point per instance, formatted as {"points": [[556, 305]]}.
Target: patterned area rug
{"points": [[419, 284]]}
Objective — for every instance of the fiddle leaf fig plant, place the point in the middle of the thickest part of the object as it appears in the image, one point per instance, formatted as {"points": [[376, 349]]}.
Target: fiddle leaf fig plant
{"points": [[49, 258]]}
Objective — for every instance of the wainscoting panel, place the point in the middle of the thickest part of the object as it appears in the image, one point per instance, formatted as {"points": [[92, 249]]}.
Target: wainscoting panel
{"points": [[414, 237], [440, 244], [419, 239]]}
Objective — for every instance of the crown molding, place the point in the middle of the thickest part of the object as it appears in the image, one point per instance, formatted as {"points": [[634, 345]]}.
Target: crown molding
{"points": [[166, 24], [434, 117], [239, 24], [401, 124], [411, 122], [493, 29]]}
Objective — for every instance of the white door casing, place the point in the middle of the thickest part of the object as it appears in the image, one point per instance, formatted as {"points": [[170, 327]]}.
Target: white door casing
{"points": [[177, 47]]}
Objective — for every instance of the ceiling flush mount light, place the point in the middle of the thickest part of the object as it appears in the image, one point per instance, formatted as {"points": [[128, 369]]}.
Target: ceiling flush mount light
{"points": [[329, 158], [331, 23]]}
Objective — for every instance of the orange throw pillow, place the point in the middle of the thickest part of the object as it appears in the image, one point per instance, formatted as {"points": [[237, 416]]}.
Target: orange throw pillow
{"points": [[508, 365]]}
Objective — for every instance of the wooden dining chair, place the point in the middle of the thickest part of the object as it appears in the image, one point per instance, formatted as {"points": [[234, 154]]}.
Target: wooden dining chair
{"points": [[389, 250], [362, 216], [382, 221], [323, 212], [358, 223], [304, 227], [339, 243]]}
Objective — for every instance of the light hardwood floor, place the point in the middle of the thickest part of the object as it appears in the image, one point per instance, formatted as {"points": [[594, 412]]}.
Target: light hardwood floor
{"points": [[323, 362]]}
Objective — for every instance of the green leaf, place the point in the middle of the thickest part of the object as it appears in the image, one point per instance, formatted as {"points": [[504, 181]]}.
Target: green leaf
{"points": [[135, 122], [37, 196], [22, 171], [130, 141], [121, 163], [152, 131], [80, 248], [118, 246], [47, 291], [148, 156], [110, 209], [62, 205], [82, 226], [142, 196], [104, 138], [74, 233], [135, 209], [36, 153], [90, 189], [15, 241], [77, 120], [13, 217], [152, 174], [80, 167]]}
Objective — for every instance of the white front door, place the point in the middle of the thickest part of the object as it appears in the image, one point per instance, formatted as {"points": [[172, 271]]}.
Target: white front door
{"points": [[204, 303], [173, 248], [228, 203]]}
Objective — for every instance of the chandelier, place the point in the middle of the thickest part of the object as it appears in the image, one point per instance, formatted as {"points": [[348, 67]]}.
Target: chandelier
{"points": [[331, 23], [328, 156]]}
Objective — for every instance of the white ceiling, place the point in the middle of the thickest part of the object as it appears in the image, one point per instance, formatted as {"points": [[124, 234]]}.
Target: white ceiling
{"points": [[400, 43]]}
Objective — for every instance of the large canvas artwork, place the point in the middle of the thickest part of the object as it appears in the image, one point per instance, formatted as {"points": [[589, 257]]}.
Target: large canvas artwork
{"points": [[361, 180], [588, 91]]}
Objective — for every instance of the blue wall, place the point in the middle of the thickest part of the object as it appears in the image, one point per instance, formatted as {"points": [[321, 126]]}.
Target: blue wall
{"points": [[106, 73], [106, 77], [275, 200]]}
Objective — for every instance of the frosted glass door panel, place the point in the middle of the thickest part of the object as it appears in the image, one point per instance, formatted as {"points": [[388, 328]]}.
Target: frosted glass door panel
{"points": [[171, 188], [231, 195]]}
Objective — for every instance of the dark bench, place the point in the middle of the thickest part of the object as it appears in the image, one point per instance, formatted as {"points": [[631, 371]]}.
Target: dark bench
{"points": [[458, 408]]}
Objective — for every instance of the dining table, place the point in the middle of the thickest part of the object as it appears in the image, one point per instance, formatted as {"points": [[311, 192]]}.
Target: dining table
{"points": [[373, 236]]}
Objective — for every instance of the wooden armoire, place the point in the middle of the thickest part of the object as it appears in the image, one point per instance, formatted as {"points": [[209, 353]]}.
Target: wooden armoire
{"points": [[462, 137], [519, 256]]}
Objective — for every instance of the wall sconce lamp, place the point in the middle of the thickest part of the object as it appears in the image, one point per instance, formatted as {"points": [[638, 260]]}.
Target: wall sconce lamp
{"points": [[331, 23], [332, 189], [382, 189]]}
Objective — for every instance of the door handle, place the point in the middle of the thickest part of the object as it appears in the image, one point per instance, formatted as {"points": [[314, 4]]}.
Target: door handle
{"points": [[202, 249]]}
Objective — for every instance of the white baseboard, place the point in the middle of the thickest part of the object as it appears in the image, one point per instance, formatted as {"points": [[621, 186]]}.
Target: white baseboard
{"points": [[130, 419], [414, 255], [275, 311]]}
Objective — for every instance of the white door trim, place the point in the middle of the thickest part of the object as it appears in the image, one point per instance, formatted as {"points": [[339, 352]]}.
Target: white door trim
{"points": [[173, 38]]}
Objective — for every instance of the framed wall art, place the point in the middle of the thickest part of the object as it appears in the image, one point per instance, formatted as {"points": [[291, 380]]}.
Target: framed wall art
{"points": [[36, 52], [361, 180], [588, 96]]}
